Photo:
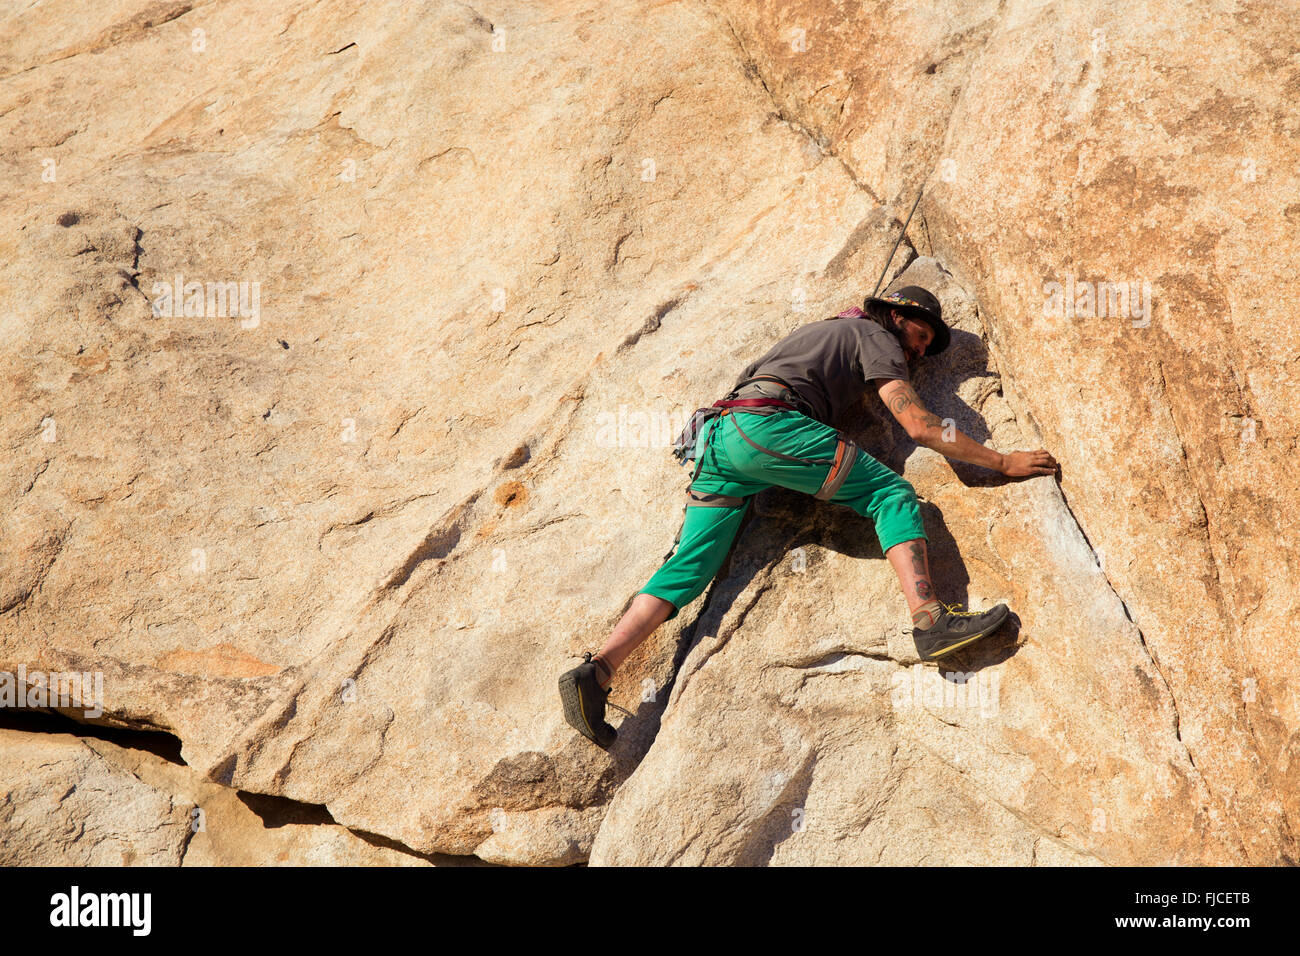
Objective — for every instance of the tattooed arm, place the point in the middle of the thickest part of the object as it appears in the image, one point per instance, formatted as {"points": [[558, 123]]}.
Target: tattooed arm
{"points": [[926, 428]]}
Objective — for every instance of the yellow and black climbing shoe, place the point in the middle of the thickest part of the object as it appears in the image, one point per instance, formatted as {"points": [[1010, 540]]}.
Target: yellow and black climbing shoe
{"points": [[953, 629], [584, 703]]}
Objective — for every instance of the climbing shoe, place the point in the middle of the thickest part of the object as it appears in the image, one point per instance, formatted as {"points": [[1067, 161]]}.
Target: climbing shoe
{"points": [[954, 629], [584, 703]]}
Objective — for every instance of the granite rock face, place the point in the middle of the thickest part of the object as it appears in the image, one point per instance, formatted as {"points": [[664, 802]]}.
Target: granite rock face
{"points": [[343, 347], [76, 801]]}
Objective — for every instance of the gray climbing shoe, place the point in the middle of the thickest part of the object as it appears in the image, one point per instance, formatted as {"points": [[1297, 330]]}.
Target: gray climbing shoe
{"points": [[584, 703], [956, 629]]}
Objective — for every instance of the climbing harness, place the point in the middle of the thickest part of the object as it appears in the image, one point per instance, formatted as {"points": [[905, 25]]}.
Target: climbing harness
{"points": [[760, 395]]}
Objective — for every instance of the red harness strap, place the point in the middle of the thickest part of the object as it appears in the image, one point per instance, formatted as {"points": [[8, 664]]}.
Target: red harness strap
{"points": [[746, 402]]}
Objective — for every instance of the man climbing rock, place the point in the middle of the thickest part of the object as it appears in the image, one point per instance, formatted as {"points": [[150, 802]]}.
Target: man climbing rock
{"points": [[773, 429]]}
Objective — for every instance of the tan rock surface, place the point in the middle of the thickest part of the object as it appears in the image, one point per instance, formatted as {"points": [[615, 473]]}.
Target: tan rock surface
{"points": [[342, 543], [65, 804], [82, 801]]}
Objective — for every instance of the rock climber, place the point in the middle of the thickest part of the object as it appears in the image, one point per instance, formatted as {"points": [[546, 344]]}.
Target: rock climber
{"points": [[787, 399]]}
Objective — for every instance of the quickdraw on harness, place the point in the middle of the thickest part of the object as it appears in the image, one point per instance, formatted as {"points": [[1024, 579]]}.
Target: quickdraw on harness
{"points": [[760, 395]]}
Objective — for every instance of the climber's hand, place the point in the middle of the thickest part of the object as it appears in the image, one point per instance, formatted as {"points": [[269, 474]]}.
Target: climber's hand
{"points": [[1022, 464]]}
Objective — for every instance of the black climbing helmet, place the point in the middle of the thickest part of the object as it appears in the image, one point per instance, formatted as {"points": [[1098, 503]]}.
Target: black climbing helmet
{"points": [[919, 304]]}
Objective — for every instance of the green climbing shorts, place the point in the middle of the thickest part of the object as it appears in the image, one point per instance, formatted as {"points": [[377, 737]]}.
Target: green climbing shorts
{"points": [[733, 467]]}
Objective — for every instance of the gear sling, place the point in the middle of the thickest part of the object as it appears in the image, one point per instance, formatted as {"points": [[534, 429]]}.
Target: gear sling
{"points": [[763, 403]]}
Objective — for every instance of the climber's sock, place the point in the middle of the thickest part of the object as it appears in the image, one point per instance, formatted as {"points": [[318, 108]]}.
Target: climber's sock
{"points": [[602, 666], [925, 615]]}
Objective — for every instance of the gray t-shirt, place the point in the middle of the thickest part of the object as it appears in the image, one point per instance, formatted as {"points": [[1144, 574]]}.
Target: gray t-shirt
{"points": [[830, 363]]}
